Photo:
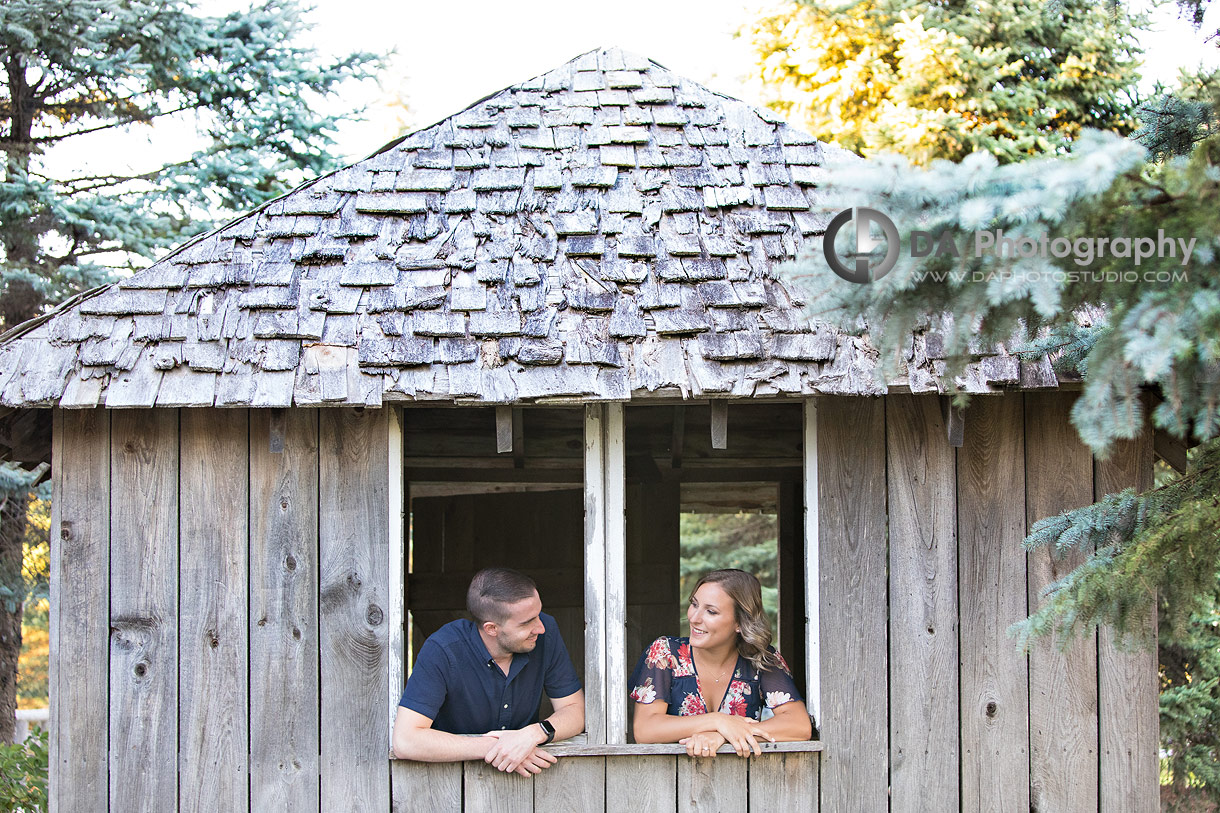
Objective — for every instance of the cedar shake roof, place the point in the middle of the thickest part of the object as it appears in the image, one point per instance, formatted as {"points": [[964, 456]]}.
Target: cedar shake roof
{"points": [[607, 230]]}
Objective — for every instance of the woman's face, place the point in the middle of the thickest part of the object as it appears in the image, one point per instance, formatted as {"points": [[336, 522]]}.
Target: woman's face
{"points": [[712, 617]]}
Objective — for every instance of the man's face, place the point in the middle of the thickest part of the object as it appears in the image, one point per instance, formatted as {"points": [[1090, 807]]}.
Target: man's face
{"points": [[519, 632]]}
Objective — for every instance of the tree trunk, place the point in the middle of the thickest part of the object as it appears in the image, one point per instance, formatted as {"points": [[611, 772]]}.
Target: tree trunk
{"points": [[12, 542]]}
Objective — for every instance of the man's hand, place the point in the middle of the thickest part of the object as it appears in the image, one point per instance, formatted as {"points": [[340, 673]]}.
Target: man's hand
{"points": [[514, 748]]}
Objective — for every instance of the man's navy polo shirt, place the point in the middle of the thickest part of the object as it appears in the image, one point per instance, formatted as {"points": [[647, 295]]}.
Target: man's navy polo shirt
{"points": [[456, 683]]}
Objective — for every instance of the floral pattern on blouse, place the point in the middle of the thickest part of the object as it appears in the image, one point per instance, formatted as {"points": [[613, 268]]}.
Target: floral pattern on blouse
{"points": [[666, 671]]}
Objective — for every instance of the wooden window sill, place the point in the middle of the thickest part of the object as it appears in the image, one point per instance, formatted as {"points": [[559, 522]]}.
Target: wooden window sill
{"points": [[578, 747]]}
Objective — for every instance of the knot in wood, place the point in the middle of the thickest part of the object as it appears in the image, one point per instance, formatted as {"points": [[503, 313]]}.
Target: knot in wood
{"points": [[991, 709], [291, 562], [141, 669], [374, 615]]}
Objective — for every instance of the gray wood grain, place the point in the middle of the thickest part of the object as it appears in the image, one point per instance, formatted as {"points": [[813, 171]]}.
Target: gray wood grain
{"points": [[923, 606], [80, 629], [785, 782], [712, 785], [353, 532], [594, 678], [144, 610], [284, 724], [851, 477], [616, 576], [1063, 736], [639, 784], [432, 786], [213, 624], [485, 788], [576, 784], [991, 579], [1128, 686]]}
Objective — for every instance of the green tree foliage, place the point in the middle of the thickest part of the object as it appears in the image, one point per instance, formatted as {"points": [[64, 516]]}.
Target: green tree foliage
{"points": [[1125, 327], [80, 68], [23, 775], [934, 79], [745, 541], [1190, 701]]}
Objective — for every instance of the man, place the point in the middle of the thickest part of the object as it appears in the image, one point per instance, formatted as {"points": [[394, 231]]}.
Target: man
{"points": [[486, 677]]}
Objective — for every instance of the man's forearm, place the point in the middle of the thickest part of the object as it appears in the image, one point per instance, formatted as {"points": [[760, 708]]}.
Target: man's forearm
{"points": [[568, 721], [430, 745]]}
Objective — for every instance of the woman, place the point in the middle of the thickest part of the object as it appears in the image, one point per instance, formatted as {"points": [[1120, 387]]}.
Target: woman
{"points": [[712, 687]]}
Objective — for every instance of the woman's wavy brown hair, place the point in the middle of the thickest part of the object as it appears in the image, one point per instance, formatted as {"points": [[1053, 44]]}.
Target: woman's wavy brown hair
{"points": [[754, 640]]}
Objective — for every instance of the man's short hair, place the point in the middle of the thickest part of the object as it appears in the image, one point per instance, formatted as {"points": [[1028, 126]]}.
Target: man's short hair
{"points": [[493, 589]]}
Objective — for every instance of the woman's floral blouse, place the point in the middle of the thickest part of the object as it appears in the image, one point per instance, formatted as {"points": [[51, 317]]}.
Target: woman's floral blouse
{"points": [[666, 672]]}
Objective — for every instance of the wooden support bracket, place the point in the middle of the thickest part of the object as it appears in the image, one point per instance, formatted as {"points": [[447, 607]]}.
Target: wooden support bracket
{"points": [[1170, 449], [679, 437], [720, 424], [955, 421], [504, 429], [518, 439]]}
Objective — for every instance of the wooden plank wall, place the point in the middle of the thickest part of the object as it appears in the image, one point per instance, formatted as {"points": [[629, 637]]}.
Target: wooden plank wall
{"points": [[199, 621], [621, 784], [221, 584]]}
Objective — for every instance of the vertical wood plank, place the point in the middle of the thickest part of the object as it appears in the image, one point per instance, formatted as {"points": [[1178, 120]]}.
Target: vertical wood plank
{"points": [[712, 785], [923, 606], [144, 610], [284, 725], [851, 480], [642, 784], [80, 632], [1128, 703], [395, 591], [485, 788], [595, 573], [1062, 685], [616, 576], [432, 786], [785, 782], [213, 625], [353, 534], [991, 590], [575, 784], [813, 560]]}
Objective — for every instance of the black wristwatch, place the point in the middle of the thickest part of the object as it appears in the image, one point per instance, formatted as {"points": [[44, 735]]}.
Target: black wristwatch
{"points": [[549, 729]]}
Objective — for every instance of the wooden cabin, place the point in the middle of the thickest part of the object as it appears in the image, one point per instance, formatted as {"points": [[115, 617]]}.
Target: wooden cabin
{"points": [[533, 334]]}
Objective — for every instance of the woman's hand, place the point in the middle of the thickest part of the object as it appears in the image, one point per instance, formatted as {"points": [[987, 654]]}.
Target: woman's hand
{"points": [[740, 732], [703, 744]]}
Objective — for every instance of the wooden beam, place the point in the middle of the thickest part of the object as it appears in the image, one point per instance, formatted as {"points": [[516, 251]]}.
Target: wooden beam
{"points": [[595, 573], [504, 429], [616, 575], [1170, 449], [720, 424], [678, 439], [955, 421]]}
